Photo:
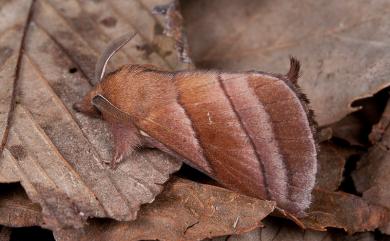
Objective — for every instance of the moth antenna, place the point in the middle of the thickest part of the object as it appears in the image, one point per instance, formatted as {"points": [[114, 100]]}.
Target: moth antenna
{"points": [[293, 73], [111, 49], [107, 108]]}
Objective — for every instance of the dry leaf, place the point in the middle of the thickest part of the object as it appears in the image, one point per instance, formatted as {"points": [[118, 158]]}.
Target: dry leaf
{"points": [[5, 234], [279, 230], [331, 162], [16, 210], [345, 211], [54, 152], [372, 174], [350, 129], [343, 45], [337, 209], [355, 127], [12, 29], [184, 211]]}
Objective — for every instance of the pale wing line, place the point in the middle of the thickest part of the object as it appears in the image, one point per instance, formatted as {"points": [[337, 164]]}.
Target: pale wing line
{"points": [[244, 129], [195, 134], [301, 105], [266, 75]]}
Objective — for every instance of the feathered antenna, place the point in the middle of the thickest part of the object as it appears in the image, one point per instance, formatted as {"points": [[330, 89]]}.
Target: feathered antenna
{"points": [[111, 49]]}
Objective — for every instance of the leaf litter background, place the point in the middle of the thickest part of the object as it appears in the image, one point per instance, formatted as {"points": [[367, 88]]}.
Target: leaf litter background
{"points": [[51, 165]]}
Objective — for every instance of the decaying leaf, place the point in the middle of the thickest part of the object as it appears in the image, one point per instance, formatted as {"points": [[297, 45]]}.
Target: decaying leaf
{"points": [[344, 211], [56, 153], [174, 28], [279, 230], [12, 34], [184, 211], [350, 129], [333, 209], [373, 170], [356, 127], [331, 162], [342, 45], [16, 210], [5, 234]]}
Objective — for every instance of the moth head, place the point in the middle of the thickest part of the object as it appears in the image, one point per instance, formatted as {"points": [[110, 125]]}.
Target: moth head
{"points": [[86, 105]]}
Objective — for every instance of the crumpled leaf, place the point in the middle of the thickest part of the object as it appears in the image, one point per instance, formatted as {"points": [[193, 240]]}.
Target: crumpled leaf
{"points": [[335, 209], [356, 127], [11, 32], [184, 211], [342, 45], [16, 210], [345, 211], [279, 230], [350, 129], [372, 174], [331, 162], [56, 153], [5, 234]]}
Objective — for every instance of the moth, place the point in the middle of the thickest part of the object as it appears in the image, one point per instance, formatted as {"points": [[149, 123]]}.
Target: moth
{"points": [[253, 132]]}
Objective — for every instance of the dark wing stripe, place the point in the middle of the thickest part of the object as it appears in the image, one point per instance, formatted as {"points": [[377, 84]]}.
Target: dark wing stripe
{"points": [[178, 134], [224, 142], [195, 134], [299, 156], [256, 123], [244, 127]]}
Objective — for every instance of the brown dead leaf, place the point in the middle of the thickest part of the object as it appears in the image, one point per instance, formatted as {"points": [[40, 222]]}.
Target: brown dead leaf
{"points": [[331, 162], [378, 131], [372, 174], [331, 209], [5, 234], [350, 129], [54, 152], [279, 230], [16, 210], [356, 127], [12, 35], [342, 45], [345, 211], [184, 211]]}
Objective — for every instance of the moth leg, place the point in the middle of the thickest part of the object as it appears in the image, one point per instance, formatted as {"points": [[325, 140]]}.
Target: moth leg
{"points": [[126, 140], [125, 134]]}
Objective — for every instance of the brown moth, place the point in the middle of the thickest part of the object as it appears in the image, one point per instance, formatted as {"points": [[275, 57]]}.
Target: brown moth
{"points": [[252, 131]]}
